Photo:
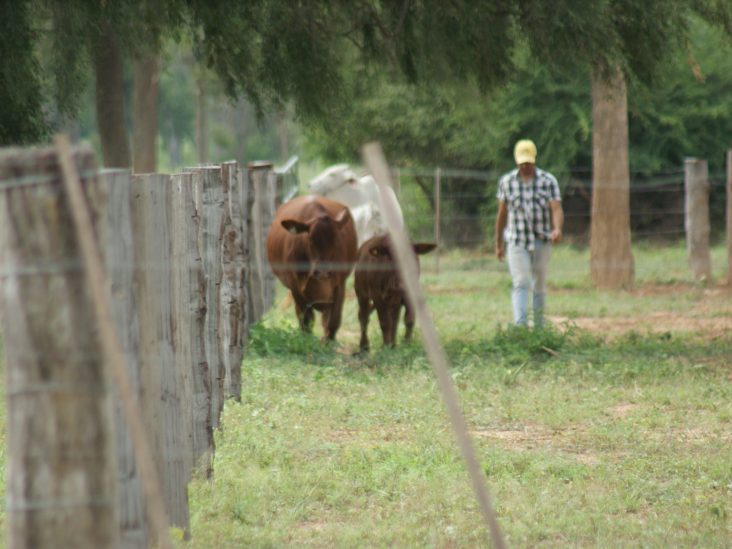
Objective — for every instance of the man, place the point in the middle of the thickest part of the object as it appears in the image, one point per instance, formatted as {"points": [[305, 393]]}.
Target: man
{"points": [[530, 219]]}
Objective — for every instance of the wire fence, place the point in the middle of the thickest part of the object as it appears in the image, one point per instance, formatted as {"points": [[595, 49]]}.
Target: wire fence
{"points": [[457, 208], [181, 273], [467, 208]]}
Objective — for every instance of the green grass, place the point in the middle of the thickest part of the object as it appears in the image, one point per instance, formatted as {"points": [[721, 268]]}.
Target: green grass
{"points": [[605, 445], [587, 438]]}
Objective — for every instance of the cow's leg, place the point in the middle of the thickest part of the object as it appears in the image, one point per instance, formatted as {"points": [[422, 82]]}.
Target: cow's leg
{"points": [[408, 321], [386, 321], [305, 314], [364, 311], [332, 315]]}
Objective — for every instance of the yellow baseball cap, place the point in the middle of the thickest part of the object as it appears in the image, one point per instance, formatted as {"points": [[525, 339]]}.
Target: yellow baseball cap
{"points": [[525, 151]]}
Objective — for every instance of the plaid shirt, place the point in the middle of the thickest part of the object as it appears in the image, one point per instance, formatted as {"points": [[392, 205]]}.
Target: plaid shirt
{"points": [[529, 214]]}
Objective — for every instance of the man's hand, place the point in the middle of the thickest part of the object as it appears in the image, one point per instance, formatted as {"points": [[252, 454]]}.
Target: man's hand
{"points": [[557, 221], [499, 252]]}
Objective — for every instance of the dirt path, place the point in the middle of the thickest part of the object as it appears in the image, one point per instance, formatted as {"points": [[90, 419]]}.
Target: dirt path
{"points": [[711, 315]]}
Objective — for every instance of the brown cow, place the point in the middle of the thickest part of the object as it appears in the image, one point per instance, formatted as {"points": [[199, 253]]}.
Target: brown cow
{"points": [[311, 248], [378, 286]]}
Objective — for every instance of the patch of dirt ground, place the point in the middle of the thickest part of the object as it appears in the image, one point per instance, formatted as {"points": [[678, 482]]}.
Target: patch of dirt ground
{"points": [[710, 316]]}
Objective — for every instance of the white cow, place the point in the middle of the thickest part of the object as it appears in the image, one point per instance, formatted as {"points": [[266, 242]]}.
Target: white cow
{"points": [[332, 178], [361, 195], [369, 221]]}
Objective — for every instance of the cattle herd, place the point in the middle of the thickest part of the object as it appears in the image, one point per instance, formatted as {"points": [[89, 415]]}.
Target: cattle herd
{"points": [[317, 240]]}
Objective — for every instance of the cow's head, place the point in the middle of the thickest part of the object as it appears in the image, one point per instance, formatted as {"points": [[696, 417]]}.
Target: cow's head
{"points": [[383, 250], [319, 265], [331, 179], [382, 253]]}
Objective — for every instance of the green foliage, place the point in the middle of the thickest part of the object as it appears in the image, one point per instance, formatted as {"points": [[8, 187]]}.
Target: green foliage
{"points": [[672, 115], [453, 125], [686, 113], [283, 337], [21, 117]]}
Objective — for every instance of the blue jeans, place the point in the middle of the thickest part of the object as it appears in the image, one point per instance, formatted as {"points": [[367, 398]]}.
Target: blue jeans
{"points": [[528, 271]]}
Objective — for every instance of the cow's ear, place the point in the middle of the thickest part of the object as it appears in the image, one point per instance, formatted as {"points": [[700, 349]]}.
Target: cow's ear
{"points": [[294, 227], [380, 251], [342, 218], [423, 248]]}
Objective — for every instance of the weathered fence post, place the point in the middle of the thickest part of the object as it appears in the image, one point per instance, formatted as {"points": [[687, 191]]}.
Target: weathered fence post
{"points": [[261, 208], [115, 240], [233, 287], [159, 374], [61, 466], [210, 204], [189, 302], [696, 183], [438, 200], [729, 217]]}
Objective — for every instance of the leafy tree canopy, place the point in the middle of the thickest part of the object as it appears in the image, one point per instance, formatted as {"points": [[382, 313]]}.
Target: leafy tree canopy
{"points": [[21, 100], [274, 51], [683, 111]]}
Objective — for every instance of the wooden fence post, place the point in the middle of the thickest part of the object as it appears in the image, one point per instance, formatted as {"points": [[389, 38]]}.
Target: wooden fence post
{"points": [[160, 377], [234, 277], [210, 204], [696, 183], [115, 240], [438, 200], [261, 208], [189, 302], [61, 466], [729, 217]]}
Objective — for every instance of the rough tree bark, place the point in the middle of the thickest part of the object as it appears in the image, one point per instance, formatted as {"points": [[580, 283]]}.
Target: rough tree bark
{"points": [[611, 256]]}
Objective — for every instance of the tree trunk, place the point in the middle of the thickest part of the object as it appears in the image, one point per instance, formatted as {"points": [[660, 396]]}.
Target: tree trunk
{"points": [[110, 99], [145, 113], [611, 257], [201, 122]]}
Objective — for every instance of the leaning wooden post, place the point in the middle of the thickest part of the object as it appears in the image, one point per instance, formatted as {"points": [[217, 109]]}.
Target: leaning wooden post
{"points": [[114, 353], [408, 269], [696, 183], [60, 466], [438, 200], [729, 217]]}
